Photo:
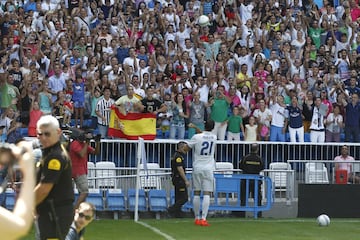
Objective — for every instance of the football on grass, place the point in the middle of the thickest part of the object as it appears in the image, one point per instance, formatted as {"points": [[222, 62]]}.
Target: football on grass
{"points": [[323, 220]]}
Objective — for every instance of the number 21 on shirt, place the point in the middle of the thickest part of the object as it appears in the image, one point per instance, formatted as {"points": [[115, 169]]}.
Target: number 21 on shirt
{"points": [[206, 148]]}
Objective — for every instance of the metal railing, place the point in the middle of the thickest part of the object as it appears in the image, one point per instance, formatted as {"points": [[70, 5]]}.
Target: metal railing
{"points": [[123, 152]]}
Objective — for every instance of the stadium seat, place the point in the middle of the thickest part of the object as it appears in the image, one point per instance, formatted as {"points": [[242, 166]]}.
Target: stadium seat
{"points": [[115, 200], [106, 173], [10, 199], [281, 177], [96, 197], [224, 167], [146, 180], [316, 173], [131, 194], [157, 200]]}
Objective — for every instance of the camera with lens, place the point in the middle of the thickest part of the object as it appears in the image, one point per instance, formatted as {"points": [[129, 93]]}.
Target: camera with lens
{"points": [[97, 137]]}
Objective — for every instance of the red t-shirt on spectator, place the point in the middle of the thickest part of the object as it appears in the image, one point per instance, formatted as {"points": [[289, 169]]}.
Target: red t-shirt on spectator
{"points": [[79, 164]]}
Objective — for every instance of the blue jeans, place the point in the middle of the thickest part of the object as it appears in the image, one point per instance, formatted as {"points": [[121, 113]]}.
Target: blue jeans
{"points": [[103, 130], [276, 134], [352, 134], [180, 132]]}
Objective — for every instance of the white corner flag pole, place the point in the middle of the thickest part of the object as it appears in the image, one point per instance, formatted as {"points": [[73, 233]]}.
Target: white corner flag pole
{"points": [[141, 158]]}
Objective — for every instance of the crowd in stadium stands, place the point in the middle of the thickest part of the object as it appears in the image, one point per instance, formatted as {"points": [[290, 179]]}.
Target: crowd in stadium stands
{"points": [[262, 68]]}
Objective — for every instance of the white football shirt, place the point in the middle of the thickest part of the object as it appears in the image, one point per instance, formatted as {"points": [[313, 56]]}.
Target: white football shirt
{"points": [[203, 145]]}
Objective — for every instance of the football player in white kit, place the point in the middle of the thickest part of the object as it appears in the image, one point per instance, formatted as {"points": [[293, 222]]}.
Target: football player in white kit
{"points": [[203, 145]]}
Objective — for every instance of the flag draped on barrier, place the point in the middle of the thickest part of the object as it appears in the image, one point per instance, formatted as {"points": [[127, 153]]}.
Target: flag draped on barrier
{"points": [[132, 125]]}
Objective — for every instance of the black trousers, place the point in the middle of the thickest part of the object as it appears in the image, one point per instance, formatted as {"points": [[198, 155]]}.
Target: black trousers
{"points": [[48, 224], [251, 193], [181, 197]]}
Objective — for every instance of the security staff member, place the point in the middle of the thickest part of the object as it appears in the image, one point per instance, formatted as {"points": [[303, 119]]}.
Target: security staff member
{"points": [[179, 179], [251, 164], [53, 193]]}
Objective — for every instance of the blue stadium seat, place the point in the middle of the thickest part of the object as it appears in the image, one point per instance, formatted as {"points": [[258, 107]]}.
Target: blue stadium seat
{"points": [[10, 199], [172, 197], [157, 200], [96, 197], [115, 200], [131, 200]]}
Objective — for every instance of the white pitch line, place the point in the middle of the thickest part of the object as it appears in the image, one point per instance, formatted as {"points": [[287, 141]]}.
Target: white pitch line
{"points": [[156, 230]]}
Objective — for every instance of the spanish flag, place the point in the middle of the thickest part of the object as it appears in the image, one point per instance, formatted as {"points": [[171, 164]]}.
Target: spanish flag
{"points": [[132, 125]]}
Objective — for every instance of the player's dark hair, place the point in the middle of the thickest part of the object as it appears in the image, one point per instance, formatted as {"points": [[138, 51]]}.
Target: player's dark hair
{"points": [[181, 144], [209, 125], [254, 148]]}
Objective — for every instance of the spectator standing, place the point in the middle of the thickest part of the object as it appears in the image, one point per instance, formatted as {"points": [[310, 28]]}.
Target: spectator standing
{"points": [[203, 145], [45, 100], [219, 110], [8, 92], [179, 180], [307, 108], [78, 98], [251, 164], [235, 126], [35, 114], [56, 82], [103, 108], [197, 114], [129, 103], [334, 124], [79, 152], [263, 118], [251, 130], [67, 110], [296, 127], [84, 215], [54, 192], [279, 120], [317, 127], [151, 104], [179, 112], [95, 97], [352, 118]]}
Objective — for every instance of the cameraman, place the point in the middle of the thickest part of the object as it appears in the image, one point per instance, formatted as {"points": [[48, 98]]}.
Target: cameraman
{"points": [[17, 223], [79, 152]]}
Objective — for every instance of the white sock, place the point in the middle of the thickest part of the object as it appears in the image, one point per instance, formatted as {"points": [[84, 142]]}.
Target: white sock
{"points": [[196, 203], [205, 206]]}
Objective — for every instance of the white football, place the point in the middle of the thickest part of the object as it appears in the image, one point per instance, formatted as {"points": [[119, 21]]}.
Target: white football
{"points": [[323, 220], [204, 21]]}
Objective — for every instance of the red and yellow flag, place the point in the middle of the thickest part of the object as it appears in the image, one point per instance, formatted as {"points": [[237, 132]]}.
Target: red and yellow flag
{"points": [[132, 125]]}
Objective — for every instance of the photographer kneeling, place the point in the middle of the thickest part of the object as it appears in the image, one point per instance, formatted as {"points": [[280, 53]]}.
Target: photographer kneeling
{"points": [[79, 151], [17, 223]]}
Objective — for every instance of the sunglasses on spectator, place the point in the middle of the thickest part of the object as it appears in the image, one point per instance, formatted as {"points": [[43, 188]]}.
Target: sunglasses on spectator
{"points": [[46, 134], [87, 217]]}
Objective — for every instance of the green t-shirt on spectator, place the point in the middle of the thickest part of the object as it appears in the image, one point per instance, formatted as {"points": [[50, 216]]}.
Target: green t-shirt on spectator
{"points": [[234, 123], [219, 110], [315, 33]]}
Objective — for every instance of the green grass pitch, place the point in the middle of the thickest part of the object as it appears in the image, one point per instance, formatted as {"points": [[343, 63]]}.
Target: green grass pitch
{"points": [[221, 228]]}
